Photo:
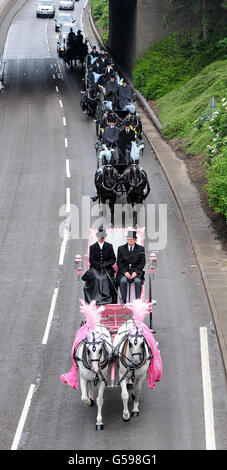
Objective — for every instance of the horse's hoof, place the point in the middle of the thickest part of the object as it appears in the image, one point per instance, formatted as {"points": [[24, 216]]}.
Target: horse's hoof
{"points": [[99, 427], [92, 402], [133, 396], [126, 419], [135, 413]]}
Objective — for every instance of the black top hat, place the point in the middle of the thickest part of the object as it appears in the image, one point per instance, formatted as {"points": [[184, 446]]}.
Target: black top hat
{"points": [[112, 118], [131, 234], [101, 233], [93, 47]]}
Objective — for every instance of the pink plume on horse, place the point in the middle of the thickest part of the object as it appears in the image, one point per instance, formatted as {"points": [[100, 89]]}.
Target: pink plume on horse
{"points": [[91, 313], [139, 309]]}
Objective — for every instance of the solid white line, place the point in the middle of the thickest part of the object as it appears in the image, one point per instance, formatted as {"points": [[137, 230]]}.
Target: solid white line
{"points": [[66, 142], [23, 418], [64, 121], [67, 168], [60, 102], [207, 391], [50, 316], [67, 200]]}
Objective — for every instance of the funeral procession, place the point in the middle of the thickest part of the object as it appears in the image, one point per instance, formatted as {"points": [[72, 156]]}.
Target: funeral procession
{"points": [[113, 138]]}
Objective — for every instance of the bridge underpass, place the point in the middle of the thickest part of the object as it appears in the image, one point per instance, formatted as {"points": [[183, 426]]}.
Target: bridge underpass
{"points": [[134, 25]]}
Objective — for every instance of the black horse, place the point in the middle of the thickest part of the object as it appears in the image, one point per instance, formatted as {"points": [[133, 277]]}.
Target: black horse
{"points": [[106, 182], [136, 184], [90, 100], [75, 51]]}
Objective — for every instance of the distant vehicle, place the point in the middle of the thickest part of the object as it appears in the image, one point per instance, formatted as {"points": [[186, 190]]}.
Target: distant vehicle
{"points": [[45, 8], [63, 34], [66, 5], [63, 18]]}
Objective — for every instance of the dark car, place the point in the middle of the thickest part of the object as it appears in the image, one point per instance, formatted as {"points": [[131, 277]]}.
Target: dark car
{"points": [[63, 18], [63, 34]]}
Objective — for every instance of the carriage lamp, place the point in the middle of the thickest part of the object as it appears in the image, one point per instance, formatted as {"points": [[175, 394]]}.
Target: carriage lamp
{"points": [[153, 261], [78, 264]]}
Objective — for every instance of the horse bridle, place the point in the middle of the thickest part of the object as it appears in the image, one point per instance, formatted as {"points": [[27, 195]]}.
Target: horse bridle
{"points": [[133, 367], [87, 363]]}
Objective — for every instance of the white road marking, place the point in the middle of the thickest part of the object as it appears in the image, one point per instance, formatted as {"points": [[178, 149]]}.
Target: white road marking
{"points": [[66, 143], [54, 76], [67, 168], [60, 103], [57, 89], [207, 391], [64, 121], [23, 418], [50, 316], [68, 208]]}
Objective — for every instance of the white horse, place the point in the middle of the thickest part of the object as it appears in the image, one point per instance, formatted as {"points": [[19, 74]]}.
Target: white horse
{"points": [[91, 354], [138, 355], [92, 357], [134, 360]]}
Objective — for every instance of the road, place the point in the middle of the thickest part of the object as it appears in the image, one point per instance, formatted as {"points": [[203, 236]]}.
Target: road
{"points": [[47, 156]]}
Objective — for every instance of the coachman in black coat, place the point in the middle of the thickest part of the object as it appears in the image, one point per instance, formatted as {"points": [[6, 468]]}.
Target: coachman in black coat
{"points": [[130, 266], [100, 276]]}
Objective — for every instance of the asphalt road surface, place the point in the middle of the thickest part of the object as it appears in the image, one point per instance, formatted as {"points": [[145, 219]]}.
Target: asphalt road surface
{"points": [[48, 161]]}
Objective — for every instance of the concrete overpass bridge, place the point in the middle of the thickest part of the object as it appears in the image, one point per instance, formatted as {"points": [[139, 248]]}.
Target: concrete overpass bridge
{"points": [[135, 24]]}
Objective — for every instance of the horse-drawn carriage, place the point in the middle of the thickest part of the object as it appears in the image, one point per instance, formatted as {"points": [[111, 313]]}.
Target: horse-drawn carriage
{"points": [[121, 183], [73, 51], [114, 346], [104, 111]]}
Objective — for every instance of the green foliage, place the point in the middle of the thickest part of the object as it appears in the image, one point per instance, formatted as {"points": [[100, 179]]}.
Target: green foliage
{"points": [[199, 15], [217, 183], [179, 109], [100, 13], [174, 60]]}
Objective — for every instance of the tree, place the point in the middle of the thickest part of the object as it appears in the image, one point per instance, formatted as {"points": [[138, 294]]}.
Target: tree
{"points": [[197, 12]]}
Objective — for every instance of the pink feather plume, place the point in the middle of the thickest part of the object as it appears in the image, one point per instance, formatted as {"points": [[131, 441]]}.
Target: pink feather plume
{"points": [[91, 313], [139, 309]]}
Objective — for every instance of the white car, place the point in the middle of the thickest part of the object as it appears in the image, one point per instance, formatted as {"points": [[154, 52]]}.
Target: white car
{"points": [[66, 5], [45, 8]]}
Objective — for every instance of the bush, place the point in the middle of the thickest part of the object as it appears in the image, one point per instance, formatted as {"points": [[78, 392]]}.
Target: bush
{"points": [[100, 13], [182, 112], [217, 184], [171, 62]]}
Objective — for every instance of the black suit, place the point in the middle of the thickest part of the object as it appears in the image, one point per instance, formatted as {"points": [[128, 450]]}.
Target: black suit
{"points": [[98, 285], [97, 256], [125, 140], [130, 262]]}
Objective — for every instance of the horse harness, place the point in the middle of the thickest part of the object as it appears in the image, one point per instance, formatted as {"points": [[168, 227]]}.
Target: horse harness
{"points": [[85, 360], [123, 358]]}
